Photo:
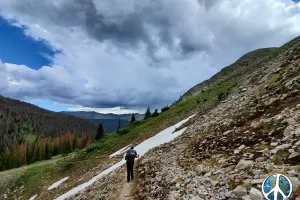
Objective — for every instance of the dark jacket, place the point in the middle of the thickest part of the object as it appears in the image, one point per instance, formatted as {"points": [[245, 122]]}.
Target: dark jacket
{"points": [[130, 155]]}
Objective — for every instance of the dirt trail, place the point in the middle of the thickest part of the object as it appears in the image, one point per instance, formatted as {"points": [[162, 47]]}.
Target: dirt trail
{"points": [[127, 190]]}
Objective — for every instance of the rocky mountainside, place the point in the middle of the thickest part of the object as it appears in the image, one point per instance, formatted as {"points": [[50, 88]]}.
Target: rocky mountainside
{"points": [[249, 60], [228, 151], [18, 119]]}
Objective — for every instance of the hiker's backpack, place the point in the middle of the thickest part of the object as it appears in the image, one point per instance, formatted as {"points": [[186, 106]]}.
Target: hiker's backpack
{"points": [[130, 155]]}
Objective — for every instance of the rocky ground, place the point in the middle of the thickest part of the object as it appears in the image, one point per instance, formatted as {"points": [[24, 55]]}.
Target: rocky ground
{"points": [[227, 153]]}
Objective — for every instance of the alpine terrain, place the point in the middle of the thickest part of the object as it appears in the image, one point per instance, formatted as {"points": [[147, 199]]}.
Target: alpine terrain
{"points": [[220, 140]]}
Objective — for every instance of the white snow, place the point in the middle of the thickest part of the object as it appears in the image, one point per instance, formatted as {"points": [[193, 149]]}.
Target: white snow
{"points": [[119, 152], [32, 198], [162, 137], [56, 184]]}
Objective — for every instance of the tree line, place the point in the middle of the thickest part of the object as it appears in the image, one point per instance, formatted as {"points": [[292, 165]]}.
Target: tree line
{"points": [[42, 149]]}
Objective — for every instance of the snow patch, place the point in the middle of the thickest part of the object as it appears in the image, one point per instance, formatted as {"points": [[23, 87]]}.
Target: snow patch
{"points": [[56, 184], [160, 138], [33, 197], [119, 152]]}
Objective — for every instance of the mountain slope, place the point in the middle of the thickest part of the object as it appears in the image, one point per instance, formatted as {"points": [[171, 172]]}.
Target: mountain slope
{"points": [[228, 151], [248, 61], [109, 121], [19, 119]]}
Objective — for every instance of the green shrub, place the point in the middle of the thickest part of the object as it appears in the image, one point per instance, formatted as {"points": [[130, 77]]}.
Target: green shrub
{"points": [[93, 147], [165, 108]]}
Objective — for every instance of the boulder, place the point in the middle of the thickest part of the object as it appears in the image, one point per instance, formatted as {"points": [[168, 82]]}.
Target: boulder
{"points": [[257, 181], [240, 191], [295, 182], [289, 130], [281, 147], [247, 197], [243, 164], [255, 194], [196, 198]]}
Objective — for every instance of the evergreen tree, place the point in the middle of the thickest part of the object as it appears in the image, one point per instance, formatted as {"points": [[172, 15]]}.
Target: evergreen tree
{"points": [[100, 132], [155, 114], [29, 154], [2, 164], [48, 151], [119, 125], [132, 119], [75, 142], [147, 113], [38, 153]]}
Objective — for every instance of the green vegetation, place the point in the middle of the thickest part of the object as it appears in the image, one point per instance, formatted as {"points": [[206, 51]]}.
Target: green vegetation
{"points": [[147, 113], [119, 126], [155, 114], [100, 131], [29, 138], [280, 157], [132, 120], [165, 108]]}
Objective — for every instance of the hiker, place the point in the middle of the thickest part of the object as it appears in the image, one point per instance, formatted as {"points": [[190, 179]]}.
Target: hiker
{"points": [[129, 157]]}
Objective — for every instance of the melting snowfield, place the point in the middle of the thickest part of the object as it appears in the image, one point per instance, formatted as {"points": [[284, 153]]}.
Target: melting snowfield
{"points": [[56, 184], [119, 152], [162, 137]]}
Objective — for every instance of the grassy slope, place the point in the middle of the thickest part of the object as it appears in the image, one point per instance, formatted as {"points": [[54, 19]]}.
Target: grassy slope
{"points": [[38, 177]]}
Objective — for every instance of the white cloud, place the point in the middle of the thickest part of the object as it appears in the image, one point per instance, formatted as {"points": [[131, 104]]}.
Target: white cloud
{"points": [[139, 53], [3, 77]]}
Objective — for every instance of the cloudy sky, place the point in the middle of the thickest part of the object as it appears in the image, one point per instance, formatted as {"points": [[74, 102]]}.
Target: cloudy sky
{"points": [[122, 56]]}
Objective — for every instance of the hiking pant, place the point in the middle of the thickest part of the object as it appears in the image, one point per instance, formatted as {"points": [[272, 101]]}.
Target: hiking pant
{"points": [[130, 165]]}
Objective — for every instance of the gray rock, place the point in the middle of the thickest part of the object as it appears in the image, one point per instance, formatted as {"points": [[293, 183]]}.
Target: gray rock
{"points": [[289, 130], [199, 170], [281, 147], [240, 191], [243, 164], [274, 144], [257, 181], [288, 137], [255, 194], [247, 197], [241, 147], [297, 131], [295, 182], [196, 198], [294, 155]]}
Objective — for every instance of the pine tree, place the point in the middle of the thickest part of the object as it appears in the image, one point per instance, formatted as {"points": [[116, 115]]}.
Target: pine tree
{"points": [[132, 119], [75, 142], [119, 125], [155, 114], [100, 132], [147, 113], [29, 153], [48, 151]]}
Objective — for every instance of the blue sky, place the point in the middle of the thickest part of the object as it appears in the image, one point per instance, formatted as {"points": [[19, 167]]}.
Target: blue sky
{"points": [[125, 55], [20, 49]]}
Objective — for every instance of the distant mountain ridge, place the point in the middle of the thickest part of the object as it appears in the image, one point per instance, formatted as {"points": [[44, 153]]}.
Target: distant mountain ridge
{"points": [[109, 121], [18, 118]]}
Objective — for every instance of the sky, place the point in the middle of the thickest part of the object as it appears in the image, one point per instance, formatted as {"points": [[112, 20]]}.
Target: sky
{"points": [[122, 56]]}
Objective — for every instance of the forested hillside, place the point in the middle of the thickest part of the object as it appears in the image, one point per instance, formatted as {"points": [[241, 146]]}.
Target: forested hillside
{"points": [[27, 129]]}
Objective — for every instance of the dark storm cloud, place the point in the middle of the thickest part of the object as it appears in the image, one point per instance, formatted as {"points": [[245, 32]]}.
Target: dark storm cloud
{"points": [[149, 24], [108, 46]]}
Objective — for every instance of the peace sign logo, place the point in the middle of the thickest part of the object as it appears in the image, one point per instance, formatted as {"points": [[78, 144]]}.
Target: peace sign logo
{"points": [[277, 187]]}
